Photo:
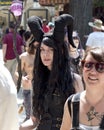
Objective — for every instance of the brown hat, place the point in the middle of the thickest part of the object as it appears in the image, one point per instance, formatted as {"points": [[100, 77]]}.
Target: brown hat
{"points": [[98, 24]]}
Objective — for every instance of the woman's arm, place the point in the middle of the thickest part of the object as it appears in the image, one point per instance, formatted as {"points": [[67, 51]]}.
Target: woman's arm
{"points": [[66, 121], [4, 51]]}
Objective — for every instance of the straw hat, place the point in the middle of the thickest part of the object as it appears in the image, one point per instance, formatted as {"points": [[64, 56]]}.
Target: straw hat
{"points": [[98, 24]]}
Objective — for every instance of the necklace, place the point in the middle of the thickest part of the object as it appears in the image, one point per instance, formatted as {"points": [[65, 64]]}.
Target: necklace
{"points": [[92, 113]]}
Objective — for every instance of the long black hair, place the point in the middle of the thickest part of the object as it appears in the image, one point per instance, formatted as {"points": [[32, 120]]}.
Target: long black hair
{"points": [[59, 77]]}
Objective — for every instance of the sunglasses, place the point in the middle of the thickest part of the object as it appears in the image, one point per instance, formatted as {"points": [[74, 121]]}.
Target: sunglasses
{"points": [[75, 38], [89, 65]]}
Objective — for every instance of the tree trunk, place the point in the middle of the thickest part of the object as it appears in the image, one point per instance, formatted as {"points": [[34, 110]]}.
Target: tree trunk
{"points": [[81, 10]]}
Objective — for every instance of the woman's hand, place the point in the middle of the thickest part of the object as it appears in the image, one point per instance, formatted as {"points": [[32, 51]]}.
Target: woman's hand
{"points": [[29, 124]]}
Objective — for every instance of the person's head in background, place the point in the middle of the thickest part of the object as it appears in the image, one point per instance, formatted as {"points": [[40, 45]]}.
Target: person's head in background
{"points": [[61, 12], [51, 26], [93, 67], [47, 54], [51, 54], [44, 22], [97, 25], [30, 43], [11, 26], [76, 41], [47, 51], [76, 38], [7, 31]]}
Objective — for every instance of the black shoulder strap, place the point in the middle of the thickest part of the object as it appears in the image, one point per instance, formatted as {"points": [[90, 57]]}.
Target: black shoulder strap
{"points": [[75, 110], [69, 103], [102, 123], [73, 106], [74, 98]]}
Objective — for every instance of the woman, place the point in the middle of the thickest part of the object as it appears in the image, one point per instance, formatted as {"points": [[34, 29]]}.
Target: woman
{"points": [[52, 84], [91, 114], [75, 53], [27, 63]]}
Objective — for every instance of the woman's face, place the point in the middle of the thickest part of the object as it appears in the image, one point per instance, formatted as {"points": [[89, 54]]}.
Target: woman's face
{"points": [[46, 54], [92, 78], [76, 41]]}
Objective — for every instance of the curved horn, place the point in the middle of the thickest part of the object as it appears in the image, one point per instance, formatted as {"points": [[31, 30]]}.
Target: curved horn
{"points": [[64, 20], [35, 26]]}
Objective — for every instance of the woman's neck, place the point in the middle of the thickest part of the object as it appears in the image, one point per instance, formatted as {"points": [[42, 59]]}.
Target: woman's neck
{"points": [[93, 102], [94, 98]]}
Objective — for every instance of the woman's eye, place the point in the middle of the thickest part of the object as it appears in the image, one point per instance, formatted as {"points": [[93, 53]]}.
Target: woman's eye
{"points": [[51, 49], [88, 65]]}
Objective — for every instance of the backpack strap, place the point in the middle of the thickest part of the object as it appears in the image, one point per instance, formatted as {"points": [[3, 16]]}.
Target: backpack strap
{"points": [[102, 123], [75, 97], [73, 105], [69, 103]]}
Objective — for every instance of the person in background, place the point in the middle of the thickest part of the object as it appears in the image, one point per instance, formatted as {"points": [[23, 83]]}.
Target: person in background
{"points": [[96, 38], [45, 26], [52, 82], [8, 101], [76, 53], [51, 94], [9, 56], [21, 31], [32, 39], [51, 27], [91, 109], [27, 63]]}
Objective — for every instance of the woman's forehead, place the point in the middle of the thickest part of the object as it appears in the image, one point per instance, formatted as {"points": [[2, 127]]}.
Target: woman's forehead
{"points": [[89, 57], [44, 45]]}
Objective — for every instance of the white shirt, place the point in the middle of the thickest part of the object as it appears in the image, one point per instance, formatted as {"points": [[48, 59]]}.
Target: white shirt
{"points": [[84, 127], [8, 101], [95, 39]]}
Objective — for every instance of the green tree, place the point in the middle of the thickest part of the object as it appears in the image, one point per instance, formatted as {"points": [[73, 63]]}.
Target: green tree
{"points": [[98, 3]]}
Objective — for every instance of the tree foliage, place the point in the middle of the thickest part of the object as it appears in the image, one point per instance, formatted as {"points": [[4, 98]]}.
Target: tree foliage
{"points": [[98, 3]]}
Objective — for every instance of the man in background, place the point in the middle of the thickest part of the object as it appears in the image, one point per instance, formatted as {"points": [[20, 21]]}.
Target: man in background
{"points": [[96, 38], [9, 56], [27, 63]]}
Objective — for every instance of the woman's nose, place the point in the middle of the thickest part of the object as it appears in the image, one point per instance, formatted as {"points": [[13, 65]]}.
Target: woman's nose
{"points": [[93, 69]]}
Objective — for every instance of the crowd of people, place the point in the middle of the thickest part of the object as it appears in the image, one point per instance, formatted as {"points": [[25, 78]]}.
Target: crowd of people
{"points": [[56, 70]]}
